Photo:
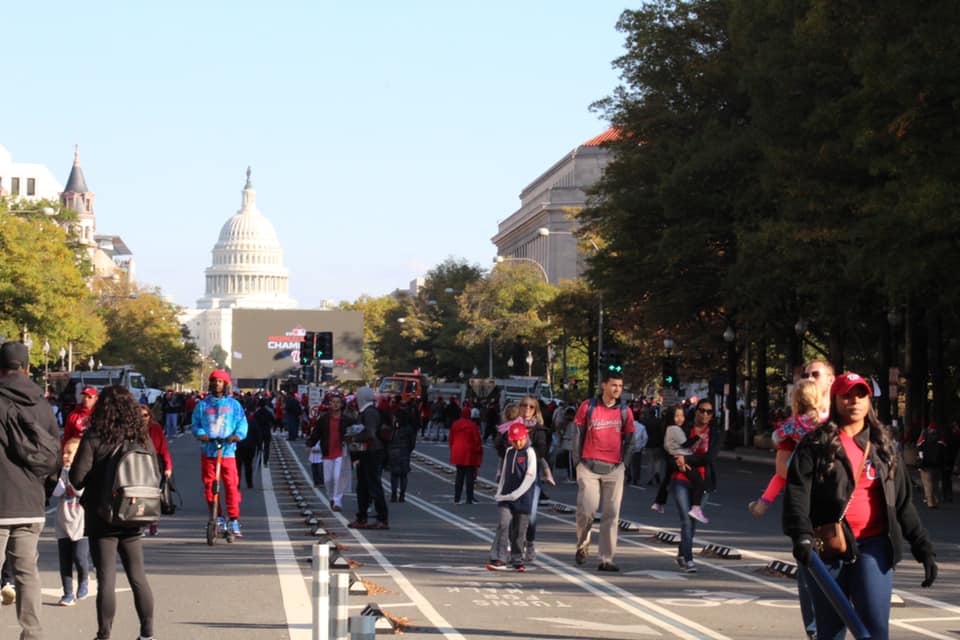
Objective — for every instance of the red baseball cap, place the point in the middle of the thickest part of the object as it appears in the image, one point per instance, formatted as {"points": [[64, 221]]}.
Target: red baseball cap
{"points": [[517, 431], [90, 391], [847, 382]]}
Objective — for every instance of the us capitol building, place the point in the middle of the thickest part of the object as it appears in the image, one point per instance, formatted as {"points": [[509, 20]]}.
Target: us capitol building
{"points": [[247, 272]]}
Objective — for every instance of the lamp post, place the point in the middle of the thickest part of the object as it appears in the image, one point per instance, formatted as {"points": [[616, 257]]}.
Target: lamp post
{"points": [[90, 363], [546, 232], [730, 404], [46, 365], [63, 357], [529, 360]]}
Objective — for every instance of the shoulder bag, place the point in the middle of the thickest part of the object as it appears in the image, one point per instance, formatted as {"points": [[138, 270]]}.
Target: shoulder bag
{"points": [[829, 539]]}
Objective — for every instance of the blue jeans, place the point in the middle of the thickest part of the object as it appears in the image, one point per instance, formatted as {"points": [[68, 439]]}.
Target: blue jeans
{"points": [[805, 586], [172, 423], [681, 497], [868, 583], [18, 545]]}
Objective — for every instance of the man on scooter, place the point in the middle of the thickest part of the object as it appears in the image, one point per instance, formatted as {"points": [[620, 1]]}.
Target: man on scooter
{"points": [[219, 417]]}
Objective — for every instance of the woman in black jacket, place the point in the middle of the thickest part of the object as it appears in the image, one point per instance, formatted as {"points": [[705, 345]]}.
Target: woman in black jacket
{"points": [[876, 511], [116, 419]]}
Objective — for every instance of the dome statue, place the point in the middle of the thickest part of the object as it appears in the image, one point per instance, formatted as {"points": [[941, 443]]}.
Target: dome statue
{"points": [[247, 270]]}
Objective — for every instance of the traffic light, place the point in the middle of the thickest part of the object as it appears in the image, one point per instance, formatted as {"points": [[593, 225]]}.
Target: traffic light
{"points": [[611, 361], [326, 374], [324, 348], [670, 378], [307, 349]]}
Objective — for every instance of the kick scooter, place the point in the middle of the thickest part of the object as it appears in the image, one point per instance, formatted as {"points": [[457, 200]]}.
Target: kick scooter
{"points": [[217, 524]]}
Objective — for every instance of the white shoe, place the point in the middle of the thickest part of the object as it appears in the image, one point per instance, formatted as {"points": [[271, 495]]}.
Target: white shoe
{"points": [[697, 514], [8, 594]]}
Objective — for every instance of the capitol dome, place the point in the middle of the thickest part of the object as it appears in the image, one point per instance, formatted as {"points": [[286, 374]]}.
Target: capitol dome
{"points": [[247, 270]]}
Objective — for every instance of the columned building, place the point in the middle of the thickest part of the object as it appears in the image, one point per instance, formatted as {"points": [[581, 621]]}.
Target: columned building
{"points": [[246, 272], [541, 230]]}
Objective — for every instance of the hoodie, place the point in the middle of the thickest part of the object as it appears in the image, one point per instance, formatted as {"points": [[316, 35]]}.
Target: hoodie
{"points": [[23, 496]]}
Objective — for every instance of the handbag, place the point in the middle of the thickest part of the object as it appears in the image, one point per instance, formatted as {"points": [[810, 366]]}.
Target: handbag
{"points": [[829, 539]]}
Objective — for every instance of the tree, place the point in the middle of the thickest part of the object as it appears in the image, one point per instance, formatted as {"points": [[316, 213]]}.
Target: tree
{"points": [[143, 330], [41, 286], [508, 309], [375, 312], [219, 356]]}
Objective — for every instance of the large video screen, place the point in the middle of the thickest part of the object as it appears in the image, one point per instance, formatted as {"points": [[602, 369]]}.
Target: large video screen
{"points": [[266, 342]]}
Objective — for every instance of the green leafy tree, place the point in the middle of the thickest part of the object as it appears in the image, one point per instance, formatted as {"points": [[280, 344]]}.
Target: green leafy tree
{"points": [[219, 356], [42, 288], [375, 312]]}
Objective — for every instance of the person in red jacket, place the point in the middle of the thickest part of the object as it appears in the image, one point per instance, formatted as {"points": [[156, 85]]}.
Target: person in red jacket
{"points": [[466, 452], [79, 418], [159, 439]]}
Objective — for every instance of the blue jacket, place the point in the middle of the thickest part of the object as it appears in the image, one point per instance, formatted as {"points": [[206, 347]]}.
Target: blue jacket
{"points": [[219, 418], [518, 476]]}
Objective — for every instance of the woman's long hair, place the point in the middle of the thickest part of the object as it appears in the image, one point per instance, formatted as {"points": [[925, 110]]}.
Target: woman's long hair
{"points": [[117, 417], [537, 414], [878, 432]]}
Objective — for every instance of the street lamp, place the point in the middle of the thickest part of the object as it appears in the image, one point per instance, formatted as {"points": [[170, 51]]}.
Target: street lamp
{"points": [[543, 272], [529, 360], [46, 365], [668, 344], [476, 372], [63, 355], [90, 363], [510, 362]]}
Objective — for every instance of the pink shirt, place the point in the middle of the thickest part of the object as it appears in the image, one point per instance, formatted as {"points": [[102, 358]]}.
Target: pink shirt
{"points": [[866, 514]]}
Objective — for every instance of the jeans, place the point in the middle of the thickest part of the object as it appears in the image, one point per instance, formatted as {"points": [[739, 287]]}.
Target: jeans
{"points": [[868, 583], [171, 424], [105, 552], [688, 527], [805, 585], [18, 545], [73, 553], [293, 428], [511, 532]]}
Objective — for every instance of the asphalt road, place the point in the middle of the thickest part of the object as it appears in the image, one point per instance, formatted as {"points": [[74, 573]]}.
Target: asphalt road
{"points": [[428, 569]]}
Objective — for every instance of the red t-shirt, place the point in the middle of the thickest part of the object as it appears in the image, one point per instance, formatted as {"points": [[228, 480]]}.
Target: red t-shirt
{"points": [[334, 450], [603, 437], [866, 514], [699, 449]]}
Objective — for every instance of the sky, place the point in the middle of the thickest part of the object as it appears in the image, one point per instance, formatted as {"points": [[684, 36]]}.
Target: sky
{"points": [[384, 137]]}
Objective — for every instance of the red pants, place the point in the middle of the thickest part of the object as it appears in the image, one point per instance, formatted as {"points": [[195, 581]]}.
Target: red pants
{"points": [[230, 483]]}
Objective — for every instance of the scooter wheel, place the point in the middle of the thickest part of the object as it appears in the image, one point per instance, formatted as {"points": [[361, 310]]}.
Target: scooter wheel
{"points": [[211, 533], [229, 537]]}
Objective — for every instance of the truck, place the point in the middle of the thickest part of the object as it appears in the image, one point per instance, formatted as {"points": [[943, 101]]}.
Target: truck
{"points": [[68, 387], [407, 385], [512, 389]]}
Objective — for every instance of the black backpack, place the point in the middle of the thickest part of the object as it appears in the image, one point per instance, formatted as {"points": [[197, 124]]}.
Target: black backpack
{"points": [[28, 443], [131, 487]]}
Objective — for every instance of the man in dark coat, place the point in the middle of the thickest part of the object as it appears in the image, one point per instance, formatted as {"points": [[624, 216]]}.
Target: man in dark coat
{"points": [[23, 496]]}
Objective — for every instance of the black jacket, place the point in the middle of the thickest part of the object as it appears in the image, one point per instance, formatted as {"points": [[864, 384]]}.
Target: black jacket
{"points": [[321, 432], [22, 494], [87, 473], [810, 502]]}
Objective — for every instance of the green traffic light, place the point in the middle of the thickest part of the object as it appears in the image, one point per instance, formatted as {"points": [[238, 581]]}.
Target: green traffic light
{"points": [[668, 379]]}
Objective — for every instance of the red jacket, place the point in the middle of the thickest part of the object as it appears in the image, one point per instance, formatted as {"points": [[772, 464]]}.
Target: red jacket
{"points": [[77, 422], [465, 446], [160, 444]]}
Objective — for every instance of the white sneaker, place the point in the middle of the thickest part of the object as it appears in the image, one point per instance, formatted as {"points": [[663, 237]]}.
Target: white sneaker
{"points": [[8, 594], [656, 507]]}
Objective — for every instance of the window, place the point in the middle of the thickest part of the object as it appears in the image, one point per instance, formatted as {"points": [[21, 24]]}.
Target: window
{"points": [[31, 186], [14, 186]]}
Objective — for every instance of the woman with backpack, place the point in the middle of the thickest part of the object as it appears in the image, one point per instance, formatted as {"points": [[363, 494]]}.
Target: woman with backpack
{"points": [[116, 419]]}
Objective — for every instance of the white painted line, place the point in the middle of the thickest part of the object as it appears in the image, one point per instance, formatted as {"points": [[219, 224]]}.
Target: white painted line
{"points": [[640, 607], [443, 627], [293, 590]]}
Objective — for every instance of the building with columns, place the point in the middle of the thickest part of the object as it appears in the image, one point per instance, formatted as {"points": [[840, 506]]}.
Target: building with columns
{"points": [[541, 230]]}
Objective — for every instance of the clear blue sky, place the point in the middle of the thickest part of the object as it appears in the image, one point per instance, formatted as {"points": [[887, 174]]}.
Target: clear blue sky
{"points": [[384, 136]]}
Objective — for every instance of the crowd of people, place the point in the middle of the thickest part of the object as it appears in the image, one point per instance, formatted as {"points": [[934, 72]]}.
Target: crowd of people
{"points": [[840, 470]]}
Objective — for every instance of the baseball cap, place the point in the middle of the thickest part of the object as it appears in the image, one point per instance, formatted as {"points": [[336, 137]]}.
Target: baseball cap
{"points": [[847, 382], [14, 355], [517, 431], [90, 391]]}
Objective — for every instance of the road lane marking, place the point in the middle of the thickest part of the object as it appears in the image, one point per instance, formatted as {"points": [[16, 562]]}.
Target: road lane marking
{"points": [[635, 605], [443, 627], [293, 589]]}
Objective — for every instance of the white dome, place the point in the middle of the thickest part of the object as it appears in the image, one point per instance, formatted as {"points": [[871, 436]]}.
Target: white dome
{"points": [[247, 269]]}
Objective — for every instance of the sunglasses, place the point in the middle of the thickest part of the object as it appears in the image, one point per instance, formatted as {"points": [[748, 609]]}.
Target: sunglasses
{"points": [[811, 374], [528, 406], [706, 411]]}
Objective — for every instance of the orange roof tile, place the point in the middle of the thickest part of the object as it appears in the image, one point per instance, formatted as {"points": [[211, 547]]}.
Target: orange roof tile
{"points": [[610, 135]]}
